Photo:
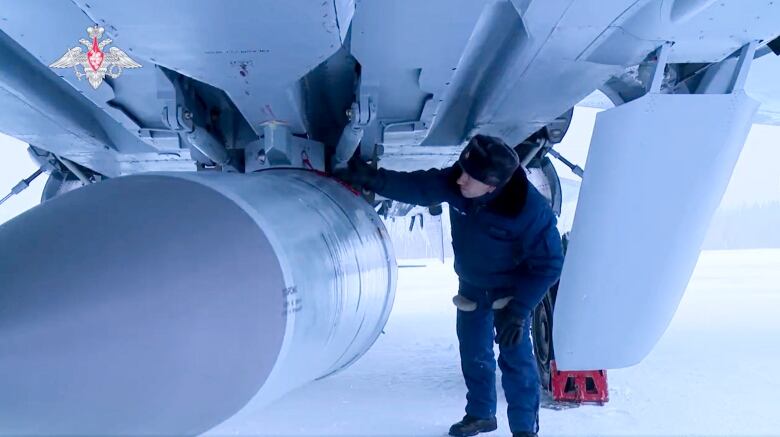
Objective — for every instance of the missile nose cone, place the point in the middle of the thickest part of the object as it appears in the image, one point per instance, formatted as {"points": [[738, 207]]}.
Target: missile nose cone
{"points": [[165, 303]]}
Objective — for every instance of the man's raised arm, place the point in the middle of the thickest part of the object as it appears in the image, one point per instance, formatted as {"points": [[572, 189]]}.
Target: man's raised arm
{"points": [[422, 187]]}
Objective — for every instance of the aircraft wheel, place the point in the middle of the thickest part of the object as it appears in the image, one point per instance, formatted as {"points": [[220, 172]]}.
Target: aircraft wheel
{"points": [[542, 329], [541, 332]]}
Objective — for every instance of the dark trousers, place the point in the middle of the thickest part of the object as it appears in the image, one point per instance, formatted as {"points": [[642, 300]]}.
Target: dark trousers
{"points": [[520, 377]]}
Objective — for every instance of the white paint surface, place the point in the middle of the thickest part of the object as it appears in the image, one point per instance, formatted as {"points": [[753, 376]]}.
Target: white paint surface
{"points": [[652, 184]]}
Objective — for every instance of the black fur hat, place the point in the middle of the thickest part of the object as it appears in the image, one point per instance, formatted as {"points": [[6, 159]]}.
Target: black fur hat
{"points": [[489, 160]]}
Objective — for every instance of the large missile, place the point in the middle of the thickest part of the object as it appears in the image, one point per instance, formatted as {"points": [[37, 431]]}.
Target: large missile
{"points": [[166, 303]]}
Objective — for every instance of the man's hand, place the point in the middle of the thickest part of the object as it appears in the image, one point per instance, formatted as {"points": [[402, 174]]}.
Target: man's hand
{"points": [[358, 173], [509, 327]]}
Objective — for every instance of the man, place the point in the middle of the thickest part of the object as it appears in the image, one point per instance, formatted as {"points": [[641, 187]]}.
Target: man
{"points": [[507, 255]]}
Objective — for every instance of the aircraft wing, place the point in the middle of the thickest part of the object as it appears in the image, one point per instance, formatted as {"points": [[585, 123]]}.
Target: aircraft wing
{"points": [[423, 76]]}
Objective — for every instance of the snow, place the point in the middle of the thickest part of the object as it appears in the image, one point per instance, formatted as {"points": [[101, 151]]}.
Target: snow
{"points": [[713, 372]]}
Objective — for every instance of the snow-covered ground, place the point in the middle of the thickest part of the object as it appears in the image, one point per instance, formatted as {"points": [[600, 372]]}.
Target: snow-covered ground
{"points": [[713, 373]]}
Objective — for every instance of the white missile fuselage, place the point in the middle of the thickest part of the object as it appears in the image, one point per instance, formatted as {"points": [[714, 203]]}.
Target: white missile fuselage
{"points": [[165, 303]]}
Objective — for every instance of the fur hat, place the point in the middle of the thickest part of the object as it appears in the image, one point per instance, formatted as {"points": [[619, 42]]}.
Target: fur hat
{"points": [[489, 160]]}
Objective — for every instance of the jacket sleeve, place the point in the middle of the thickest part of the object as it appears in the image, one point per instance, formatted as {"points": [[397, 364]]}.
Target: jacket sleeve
{"points": [[422, 187], [539, 271]]}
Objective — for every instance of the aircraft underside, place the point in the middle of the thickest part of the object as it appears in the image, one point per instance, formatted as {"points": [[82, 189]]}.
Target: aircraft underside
{"points": [[238, 269]]}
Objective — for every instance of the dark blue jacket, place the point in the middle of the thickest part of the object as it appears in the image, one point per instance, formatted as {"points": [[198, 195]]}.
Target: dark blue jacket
{"points": [[506, 241]]}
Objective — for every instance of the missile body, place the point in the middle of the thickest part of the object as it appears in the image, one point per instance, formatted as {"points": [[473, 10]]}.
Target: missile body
{"points": [[166, 303]]}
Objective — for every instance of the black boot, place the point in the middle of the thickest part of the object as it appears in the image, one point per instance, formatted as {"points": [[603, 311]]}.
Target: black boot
{"points": [[472, 426], [524, 434]]}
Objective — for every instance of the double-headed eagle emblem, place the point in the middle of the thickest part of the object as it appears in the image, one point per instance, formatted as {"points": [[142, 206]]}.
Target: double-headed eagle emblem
{"points": [[95, 64]]}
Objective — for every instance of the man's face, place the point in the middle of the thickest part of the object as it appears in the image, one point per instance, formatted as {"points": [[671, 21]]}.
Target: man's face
{"points": [[471, 188]]}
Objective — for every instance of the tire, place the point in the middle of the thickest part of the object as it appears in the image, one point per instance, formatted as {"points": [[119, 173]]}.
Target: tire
{"points": [[541, 333], [542, 328]]}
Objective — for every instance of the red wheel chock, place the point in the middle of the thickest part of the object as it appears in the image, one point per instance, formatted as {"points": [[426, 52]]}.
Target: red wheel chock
{"points": [[583, 386]]}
